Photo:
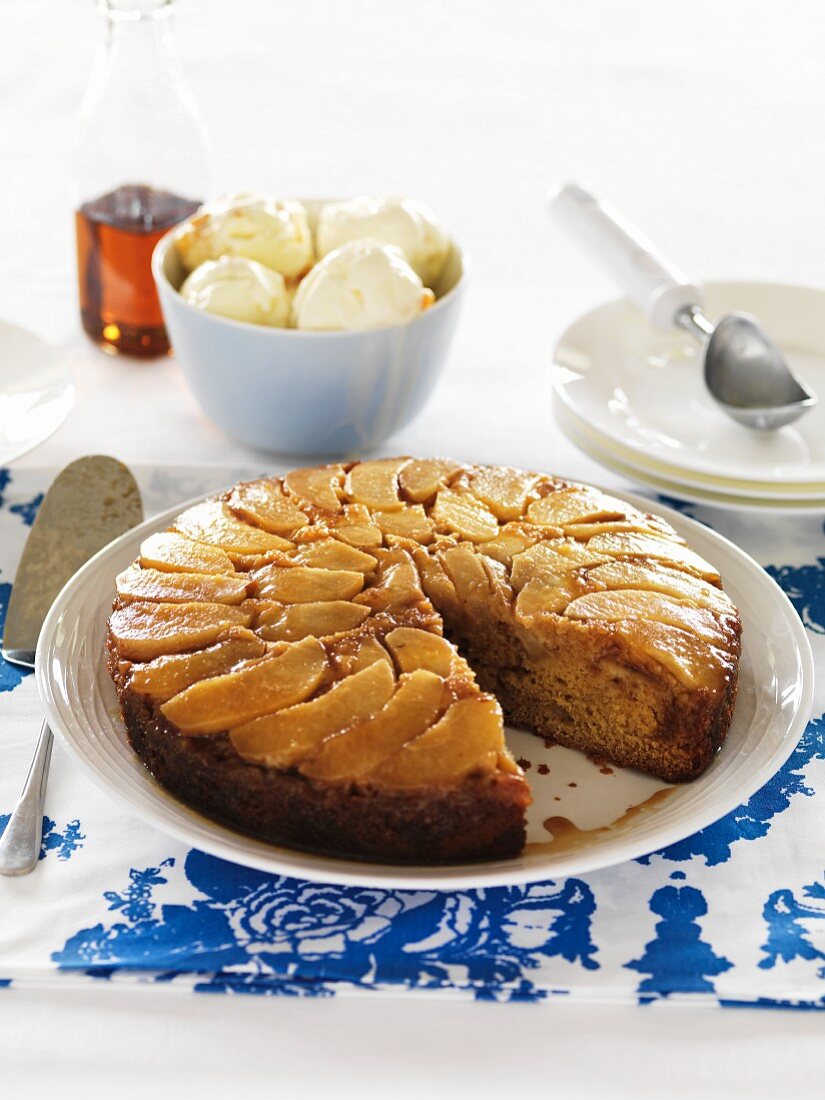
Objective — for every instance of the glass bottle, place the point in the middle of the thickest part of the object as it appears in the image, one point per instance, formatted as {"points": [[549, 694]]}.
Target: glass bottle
{"points": [[142, 164]]}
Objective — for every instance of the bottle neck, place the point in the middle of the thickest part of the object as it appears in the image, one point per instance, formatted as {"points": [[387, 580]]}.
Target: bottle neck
{"points": [[139, 33], [139, 123]]}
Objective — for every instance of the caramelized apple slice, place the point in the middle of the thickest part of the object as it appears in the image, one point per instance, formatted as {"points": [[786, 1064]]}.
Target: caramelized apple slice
{"points": [[411, 523], [259, 688], [466, 570], [413, 708], [213, 522], [419, 649], [558, 560], [318, 485], [461, 512], [356, 527], [583, 532], [302, 584], [398, 584], [498, 580], [282, 739], [434, 580], [265, 504], [467, 739], [166, 676], [512, 539], [353, 653], [676, 554], [421, 479], [544, 595], [174, 553], [151, 584], [505, 491], [634, 604], [691, 662], [333, 554], [577, 505], [547, 577], [375, 484], [144, 631], [661, 578], [302, 620]]}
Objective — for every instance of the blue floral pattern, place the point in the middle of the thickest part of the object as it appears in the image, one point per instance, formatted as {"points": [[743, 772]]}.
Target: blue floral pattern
{"points": [[62, 842], [253, 932], [142, 908], [677, 959], [27, 510], [786, 918], [805, 587]]}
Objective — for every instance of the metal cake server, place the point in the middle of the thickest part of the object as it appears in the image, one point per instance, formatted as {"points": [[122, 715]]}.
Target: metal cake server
{"points": [[91, 502], [744, 370]]}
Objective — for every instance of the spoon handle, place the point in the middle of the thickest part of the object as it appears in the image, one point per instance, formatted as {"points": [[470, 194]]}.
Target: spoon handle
{"points": [[651, 282], [20, 843]]}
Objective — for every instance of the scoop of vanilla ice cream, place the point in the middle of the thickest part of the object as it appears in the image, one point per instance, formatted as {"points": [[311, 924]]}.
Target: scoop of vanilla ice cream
{"points": [[361, 285], [405, 223], [241, 289], [276, 234]]}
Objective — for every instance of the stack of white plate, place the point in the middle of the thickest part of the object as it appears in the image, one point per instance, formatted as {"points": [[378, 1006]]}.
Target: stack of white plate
{"points": [[634, 399]]}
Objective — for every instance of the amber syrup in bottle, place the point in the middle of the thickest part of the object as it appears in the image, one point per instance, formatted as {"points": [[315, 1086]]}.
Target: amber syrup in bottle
{"points": [[116, 234]]}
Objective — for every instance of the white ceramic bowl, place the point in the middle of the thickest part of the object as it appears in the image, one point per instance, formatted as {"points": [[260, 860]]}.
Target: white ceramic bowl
{"points": [[308, 393]]}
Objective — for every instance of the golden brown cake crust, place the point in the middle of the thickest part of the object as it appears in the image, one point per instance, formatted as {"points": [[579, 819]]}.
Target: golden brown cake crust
{"points": [[279, 659], [480, 821]]}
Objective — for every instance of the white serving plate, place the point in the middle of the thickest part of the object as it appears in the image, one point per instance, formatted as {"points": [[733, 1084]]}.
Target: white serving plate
{"points": [[641, 390], [774, 704], [36, 391], [630, 466]]}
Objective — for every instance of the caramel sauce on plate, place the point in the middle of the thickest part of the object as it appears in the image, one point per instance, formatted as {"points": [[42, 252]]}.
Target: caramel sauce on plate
{"points": [[568, 837]]}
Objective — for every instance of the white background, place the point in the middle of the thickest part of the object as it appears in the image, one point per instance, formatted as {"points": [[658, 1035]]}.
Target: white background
{"points": [[705, 121]]}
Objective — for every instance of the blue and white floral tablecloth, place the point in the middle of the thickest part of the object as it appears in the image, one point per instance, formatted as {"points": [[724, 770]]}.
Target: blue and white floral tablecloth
{"points": [[733, 915]]}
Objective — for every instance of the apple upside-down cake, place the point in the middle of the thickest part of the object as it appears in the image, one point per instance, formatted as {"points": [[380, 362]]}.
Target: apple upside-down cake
{"points": [[326, 660]]}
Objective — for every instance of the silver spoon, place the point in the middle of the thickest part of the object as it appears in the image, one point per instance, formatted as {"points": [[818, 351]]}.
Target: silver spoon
{"points": [[743, 369]]}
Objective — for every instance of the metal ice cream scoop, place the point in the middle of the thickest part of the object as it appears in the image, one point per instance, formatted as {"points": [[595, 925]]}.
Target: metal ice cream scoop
{"points": [[743, 369]]}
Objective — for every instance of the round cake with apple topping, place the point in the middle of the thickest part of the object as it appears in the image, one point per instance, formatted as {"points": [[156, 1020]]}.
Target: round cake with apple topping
{"points": [[326, 660]]}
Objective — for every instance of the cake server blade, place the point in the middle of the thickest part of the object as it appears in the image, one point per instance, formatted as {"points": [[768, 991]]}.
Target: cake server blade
{"points": [[91, 502]]}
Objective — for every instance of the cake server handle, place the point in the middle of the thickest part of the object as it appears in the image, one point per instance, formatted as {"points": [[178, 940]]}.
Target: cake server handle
{"points": [[20, 842], [651, 282]]}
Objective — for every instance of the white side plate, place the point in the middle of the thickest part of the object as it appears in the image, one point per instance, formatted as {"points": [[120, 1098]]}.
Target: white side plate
{"points": [[36, 391], [642, 389], [774, 704], [630, 466]]}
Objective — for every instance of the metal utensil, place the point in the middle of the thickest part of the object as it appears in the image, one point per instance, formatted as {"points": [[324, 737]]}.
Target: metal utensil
{"points": [[743, 369], [91, 502]]}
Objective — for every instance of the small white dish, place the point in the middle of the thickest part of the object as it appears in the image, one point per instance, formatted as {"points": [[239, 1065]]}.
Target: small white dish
{"points": [[36, 391], [641, 390], [308, 393], [609, 815]]}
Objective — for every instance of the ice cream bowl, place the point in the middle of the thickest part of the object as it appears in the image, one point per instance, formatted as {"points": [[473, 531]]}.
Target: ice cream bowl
{"points": [[306, 393]]}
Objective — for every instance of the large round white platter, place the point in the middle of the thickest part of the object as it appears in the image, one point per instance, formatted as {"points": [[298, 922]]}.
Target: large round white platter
{"points": [[642, 392], [603, 815]]}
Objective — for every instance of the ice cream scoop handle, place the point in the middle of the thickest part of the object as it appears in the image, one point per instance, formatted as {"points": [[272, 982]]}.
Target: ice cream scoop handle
{"points": [[653, 284]]}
